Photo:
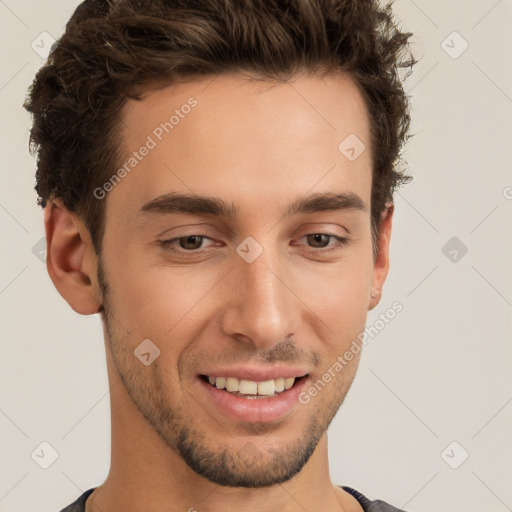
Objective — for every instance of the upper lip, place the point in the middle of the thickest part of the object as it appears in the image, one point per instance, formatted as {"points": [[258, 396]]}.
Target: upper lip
{"points": [[256, 374]]}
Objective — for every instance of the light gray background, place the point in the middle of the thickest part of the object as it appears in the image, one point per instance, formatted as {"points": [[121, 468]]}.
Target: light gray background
{"points": [[439, 372]]}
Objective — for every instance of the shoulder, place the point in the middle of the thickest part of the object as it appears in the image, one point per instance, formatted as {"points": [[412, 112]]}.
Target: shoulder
{"points": [[79, 504], [370, 505]]}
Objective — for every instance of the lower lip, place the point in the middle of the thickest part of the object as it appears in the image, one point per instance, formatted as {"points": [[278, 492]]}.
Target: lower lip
{"points": [[254, 410]]}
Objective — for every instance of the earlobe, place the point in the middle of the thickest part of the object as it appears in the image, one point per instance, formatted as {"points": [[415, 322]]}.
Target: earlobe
{"points": [[381, 264], [71, 260]]}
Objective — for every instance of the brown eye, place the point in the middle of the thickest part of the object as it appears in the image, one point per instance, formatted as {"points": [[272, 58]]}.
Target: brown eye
{"points": [[184, 244], [320, 243], [319, 240], [191, 243]]}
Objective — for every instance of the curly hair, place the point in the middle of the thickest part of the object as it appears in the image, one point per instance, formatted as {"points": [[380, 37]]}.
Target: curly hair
{"points": [[112, 49]]}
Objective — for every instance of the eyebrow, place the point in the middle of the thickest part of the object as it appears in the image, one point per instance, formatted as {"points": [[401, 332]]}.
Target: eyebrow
{"points": [[192, 204]]}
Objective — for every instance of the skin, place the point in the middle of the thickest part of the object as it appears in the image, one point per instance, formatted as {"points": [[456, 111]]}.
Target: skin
{"points": [[260, 145]]}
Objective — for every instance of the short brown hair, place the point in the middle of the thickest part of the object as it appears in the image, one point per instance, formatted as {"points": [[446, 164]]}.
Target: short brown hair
{"points": [[112, 47]]}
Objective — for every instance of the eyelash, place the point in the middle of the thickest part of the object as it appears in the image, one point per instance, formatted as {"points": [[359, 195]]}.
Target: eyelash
{"points": [[169, 245]]}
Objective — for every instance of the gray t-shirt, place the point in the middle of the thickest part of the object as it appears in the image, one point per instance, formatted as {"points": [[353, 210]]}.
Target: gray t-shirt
{"points": [[366, 504]]}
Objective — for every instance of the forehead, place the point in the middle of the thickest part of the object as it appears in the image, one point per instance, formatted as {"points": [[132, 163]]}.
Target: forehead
{"points": [[233, 137]]}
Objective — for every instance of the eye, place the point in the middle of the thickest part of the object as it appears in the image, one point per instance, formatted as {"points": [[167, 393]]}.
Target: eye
{"points": [[319, 241], [189, 243], [194, 243]]}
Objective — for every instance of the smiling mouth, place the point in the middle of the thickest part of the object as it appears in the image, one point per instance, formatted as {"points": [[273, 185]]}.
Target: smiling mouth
{"points": [[252, 389]]}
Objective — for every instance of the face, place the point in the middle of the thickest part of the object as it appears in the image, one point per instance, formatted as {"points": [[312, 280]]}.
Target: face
{"points": [[263, 271]]}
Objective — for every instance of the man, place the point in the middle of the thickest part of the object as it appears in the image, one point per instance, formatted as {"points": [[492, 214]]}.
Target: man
{"points": [[217, 179]]}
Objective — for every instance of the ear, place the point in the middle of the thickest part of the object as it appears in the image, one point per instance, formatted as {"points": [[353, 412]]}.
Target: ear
{"points": [[381, 264], [70, 258]]}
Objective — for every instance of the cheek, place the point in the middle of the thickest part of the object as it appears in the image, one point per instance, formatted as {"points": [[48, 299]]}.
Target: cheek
{"points": [[157, 300], [340, 295]]}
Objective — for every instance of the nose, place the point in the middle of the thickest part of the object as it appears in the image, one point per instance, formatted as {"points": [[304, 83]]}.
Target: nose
{"points": [[261, 310]]}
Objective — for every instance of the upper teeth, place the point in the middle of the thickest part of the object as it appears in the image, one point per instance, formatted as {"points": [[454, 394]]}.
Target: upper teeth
{"points": [[250, 387]]}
